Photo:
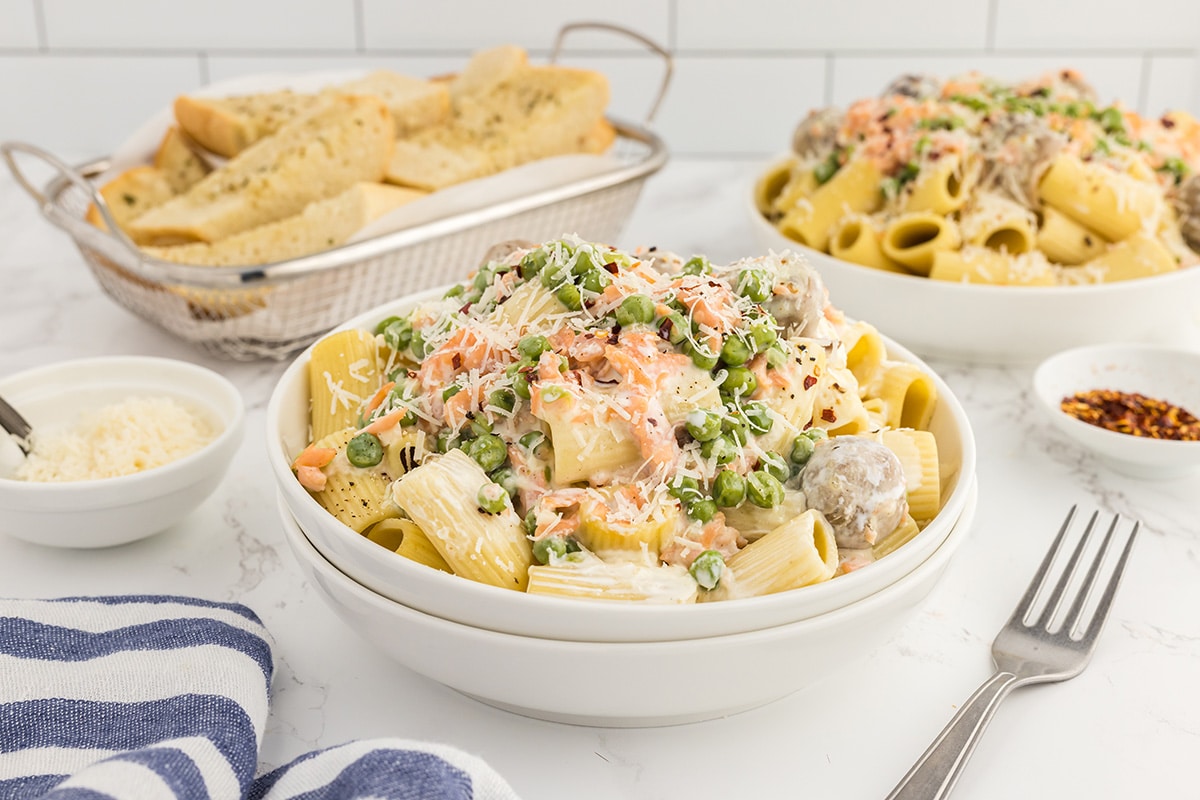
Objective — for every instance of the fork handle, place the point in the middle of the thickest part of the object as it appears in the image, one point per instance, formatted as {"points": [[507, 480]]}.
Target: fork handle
{"points": [[938, 768]]}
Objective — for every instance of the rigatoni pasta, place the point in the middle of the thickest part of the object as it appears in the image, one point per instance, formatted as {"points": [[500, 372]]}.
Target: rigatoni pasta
{"points": [[585, 423], [1037, 172]]}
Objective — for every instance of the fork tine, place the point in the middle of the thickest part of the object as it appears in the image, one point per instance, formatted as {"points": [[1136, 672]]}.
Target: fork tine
{"points": [[1089, 582], [1110, 591], [1025, 605], [1056, 596]]}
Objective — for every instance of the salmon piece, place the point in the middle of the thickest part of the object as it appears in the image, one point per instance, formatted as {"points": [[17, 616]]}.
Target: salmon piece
{"points": [[311, 478], [313, 456]]}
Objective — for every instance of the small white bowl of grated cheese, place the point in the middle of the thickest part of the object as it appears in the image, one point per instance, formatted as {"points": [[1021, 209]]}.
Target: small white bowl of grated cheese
{"points": [[123, 447]]}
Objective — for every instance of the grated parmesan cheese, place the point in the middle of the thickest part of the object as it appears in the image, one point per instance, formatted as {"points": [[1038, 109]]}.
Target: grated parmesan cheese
{"points": [[136, 434]]}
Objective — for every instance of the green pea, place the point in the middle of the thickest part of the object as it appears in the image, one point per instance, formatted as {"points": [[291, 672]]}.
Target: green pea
{"points": [[554, 546], [729, 489], [520, 385], [532, 264], [382, 326], [450, 391], [1112, 120], [735, 429], [763, 333], [417, 343], [754, 284], [774, 465], [736, 351], [802, 450], [757, 416], [480, 426], [503, 399], [696, 265], [488, 451], [568, 294], [536, 443], [555, 276], [702, 510], [701, 356], [673, 328], [483, 279], [533, 346], [703, 425], [454, 291], [552, 393], [685, 488], [506, 479], [739, 382], [707, 569], [445, 441], [596, 281], [529, 523], [763, 489], [776, 356], [816, 434], [409, 419], [492, 498], [584, 264], [364, 450], [634, 309], [722, 448]]}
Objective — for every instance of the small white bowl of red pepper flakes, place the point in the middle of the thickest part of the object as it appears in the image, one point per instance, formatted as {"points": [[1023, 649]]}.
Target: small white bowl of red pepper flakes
{"points": [[1136, 407]]}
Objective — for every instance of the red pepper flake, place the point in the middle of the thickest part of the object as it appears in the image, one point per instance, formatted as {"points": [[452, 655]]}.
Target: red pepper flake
{"points": [[612, 267], [828, 415], [456, 360], [1134, 414], [809, 382]]}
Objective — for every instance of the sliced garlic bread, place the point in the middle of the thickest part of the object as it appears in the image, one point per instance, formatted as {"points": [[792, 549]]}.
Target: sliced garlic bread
{"points": [[537, 113], [487, 69], [228, 125], [347, 140], [415, 103], [131, 194], [320, 226], [177, 161]]}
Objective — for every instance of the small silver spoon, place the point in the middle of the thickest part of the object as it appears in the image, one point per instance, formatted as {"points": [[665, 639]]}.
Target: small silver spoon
{"points": [[15, 424]]}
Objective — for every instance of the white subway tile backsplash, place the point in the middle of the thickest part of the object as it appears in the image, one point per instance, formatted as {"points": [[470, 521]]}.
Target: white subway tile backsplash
{"points": [[468, 24], [842, 25], [18, 24], [1097, 24], [746, 71], [1113, 77], [214, 24], [87, 105], [739, 105], [1173, 83]]}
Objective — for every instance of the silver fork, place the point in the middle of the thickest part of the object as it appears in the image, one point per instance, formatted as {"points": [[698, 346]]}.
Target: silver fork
{"points": [[1027, 650]]}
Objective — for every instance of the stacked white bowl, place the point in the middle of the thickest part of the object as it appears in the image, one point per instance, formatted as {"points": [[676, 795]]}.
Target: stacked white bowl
{"points": [[614, 664]]}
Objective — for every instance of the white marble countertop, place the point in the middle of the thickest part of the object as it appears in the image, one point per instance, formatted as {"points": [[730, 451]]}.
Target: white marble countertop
{"points": [[1128, 727]]}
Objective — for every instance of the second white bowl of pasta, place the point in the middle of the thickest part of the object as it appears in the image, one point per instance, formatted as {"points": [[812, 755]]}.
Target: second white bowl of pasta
{"points": [[611, 476], [981, 219]]}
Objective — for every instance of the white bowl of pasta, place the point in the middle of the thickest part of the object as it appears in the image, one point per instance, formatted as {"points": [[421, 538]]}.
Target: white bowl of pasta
{"points": [[1003, 324], [983, 219], [938, 464], [620, 684]]}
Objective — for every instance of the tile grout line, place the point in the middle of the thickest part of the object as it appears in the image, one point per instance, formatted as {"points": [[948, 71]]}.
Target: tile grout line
{"points": [[989, 37], [672, 25], [360, 27], [39, 20], [1144, 83], [202, 59]]}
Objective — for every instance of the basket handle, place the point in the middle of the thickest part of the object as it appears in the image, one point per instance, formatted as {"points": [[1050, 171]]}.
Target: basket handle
{"points": [[650, 44], [66, 172]]}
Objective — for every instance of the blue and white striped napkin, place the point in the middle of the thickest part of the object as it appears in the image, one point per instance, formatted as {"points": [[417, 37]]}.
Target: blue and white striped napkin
{"points": [[149, 697]]}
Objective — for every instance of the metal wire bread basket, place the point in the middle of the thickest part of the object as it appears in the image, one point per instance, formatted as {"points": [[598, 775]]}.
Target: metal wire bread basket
{"points": [[269, 311]]}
